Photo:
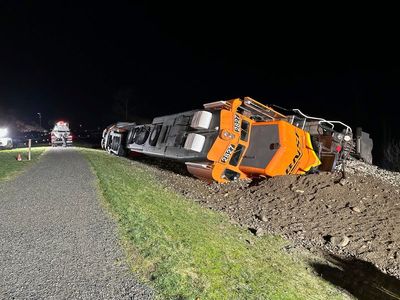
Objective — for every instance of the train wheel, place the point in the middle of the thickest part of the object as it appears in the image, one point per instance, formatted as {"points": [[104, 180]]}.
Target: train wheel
{"points": [[155, 133], [142, 136]]}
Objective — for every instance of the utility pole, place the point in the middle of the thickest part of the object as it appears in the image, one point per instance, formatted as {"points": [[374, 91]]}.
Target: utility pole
{"points": [[40, 119]]}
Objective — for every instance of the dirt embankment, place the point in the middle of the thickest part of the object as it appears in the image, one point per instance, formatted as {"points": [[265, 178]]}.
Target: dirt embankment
{"points": [[358, 216]]}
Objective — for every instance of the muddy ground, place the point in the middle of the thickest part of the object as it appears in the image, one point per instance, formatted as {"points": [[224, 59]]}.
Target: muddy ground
{"points": [[356, 217]]}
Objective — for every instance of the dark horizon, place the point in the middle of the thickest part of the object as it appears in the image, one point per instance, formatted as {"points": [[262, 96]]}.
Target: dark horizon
{"points": [[76, 62]]}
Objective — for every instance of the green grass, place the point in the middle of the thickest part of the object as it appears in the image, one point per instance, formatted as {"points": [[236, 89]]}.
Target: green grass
{"points": [[186, 251], [9, 166]]}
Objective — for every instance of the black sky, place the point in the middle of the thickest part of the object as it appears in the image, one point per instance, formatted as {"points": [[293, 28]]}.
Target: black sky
{"points": [[68, 59]]}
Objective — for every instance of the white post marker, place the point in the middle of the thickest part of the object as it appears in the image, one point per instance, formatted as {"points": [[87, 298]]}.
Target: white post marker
{"points": [[29, 149]]}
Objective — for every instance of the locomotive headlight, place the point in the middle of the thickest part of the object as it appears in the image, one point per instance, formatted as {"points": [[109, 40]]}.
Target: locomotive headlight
{"points": [[3, 132], [347, 138]]}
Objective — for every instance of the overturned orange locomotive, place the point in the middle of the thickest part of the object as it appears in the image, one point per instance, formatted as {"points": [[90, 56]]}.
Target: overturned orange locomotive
{"points": [[236, 139]]}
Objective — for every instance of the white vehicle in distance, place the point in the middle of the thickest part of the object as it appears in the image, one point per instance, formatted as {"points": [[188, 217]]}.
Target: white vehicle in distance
{"points": [[61, 135], [5, 141]]}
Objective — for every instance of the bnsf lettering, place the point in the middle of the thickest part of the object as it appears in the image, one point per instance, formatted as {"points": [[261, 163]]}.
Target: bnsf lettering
{"points": [[297, 156], [227, 153], [236, 123]]}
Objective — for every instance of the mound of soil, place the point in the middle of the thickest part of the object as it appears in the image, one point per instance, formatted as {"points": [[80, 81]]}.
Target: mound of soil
{"points": [[358, 216]]}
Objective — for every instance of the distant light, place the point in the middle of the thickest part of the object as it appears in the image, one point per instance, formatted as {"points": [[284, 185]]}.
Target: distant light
{"points": [[3, 132]]}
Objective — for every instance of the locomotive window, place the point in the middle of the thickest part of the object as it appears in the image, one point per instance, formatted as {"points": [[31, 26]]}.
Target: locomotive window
{"points": [[231, 175], [244, 133], [236, 155]]}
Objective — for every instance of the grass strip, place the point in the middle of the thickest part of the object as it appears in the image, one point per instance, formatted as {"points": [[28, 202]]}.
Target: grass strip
{"points": [[186, 251], [10, 166]]}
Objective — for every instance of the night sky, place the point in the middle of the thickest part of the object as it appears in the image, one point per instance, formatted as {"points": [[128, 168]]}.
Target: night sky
{"points": [[73, 61]]}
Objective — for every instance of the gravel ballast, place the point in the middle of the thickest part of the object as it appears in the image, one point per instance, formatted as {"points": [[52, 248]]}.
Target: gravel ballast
{"points": [[356, 217], [56, 241]]}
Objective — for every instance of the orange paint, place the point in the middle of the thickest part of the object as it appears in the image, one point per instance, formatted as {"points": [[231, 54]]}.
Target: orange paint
{"points": [[295, 154]]}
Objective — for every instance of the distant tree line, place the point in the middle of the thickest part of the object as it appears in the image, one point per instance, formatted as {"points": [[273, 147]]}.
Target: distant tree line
{"points": [[391, 159], [128, 106]]}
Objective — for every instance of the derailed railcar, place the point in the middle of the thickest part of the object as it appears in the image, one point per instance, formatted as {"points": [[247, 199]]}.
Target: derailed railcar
{"points": [[236, 139]]}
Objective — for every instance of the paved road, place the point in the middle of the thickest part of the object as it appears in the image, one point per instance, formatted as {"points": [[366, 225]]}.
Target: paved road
{"points": [[56, 242]]}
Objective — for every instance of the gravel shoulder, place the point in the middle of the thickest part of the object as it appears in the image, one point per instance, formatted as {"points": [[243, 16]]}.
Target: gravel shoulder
{"points": [[55, 239]]}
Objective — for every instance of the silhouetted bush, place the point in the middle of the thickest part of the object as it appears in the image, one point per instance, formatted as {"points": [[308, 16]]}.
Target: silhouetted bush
{"points": [[392, 156]]}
